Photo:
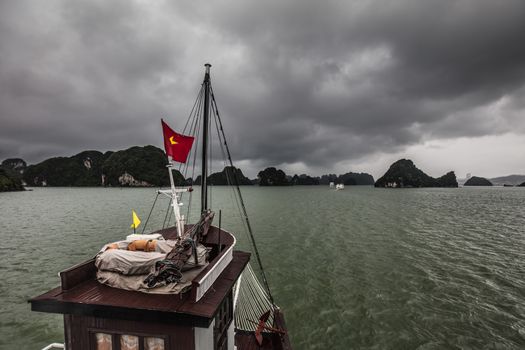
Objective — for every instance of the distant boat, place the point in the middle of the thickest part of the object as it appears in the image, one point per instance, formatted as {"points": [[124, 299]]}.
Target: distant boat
{"points": [[332, 185], [339, 187]]}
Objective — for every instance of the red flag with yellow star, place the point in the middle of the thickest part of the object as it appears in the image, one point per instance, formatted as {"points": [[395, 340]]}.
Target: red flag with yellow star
{"points": [[177, 146]]}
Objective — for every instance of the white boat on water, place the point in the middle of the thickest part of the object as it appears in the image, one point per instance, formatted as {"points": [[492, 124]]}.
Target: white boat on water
{"points": [[339, 187]]}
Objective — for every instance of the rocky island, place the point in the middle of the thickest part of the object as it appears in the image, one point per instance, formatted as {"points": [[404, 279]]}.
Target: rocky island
{"points": [[513, 180], [146, 167], [133, 167], [225, 177], [304, 180], [477, 181], [138, 167], [9, 183], [11, 171], [404, 174], [273, 177], [14, 166], [348, 179]]}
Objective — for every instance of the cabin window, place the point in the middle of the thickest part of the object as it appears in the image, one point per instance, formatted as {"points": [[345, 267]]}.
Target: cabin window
{"points": [[121, 341], [222, 322], [129, 342], [153, 343], [104, 341]]}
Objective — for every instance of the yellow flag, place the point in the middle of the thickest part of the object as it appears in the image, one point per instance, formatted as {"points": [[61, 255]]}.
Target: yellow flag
{"points": [[136, 220]]}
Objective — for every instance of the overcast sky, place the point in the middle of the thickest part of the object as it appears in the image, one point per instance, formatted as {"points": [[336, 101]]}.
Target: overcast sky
{"points": [[308, 86]]}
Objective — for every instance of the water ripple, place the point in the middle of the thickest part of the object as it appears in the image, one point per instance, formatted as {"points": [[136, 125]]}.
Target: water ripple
{"points": [[362, 268]]}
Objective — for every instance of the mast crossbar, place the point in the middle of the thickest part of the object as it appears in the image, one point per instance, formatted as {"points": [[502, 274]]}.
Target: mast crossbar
{"points": [[175, 194]]}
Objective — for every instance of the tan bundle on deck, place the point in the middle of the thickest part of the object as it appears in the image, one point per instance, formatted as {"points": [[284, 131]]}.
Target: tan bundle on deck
{"points": [[127, 269]]}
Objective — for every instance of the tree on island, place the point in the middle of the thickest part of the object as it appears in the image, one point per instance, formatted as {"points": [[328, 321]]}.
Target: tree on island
{"points": [[135, 166], [348, 179], [83, 169], [304, 179], [221, 178], [351, 179], [326, 179], [14, 167], [11, 174], [404, 173], [273, 177], [477, 181], [9, 183], [138, 167]]}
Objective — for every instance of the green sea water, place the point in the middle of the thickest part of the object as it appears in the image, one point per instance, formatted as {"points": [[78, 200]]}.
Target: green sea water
{"points": [[362, 268]]}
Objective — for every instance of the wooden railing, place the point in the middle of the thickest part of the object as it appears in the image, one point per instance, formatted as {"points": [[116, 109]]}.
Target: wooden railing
{"points": [[207, 277]]}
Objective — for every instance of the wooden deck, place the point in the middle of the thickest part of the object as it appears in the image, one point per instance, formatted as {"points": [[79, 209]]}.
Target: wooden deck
{"points": [[90, 298], [88, 304]]}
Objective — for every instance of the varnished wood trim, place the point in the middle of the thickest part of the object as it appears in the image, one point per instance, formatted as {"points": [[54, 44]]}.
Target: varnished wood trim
{"points": [[78, 274], [113, 312]]}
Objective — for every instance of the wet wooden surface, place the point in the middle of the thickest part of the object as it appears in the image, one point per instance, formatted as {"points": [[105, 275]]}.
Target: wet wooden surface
{"points": [[94, 299]]}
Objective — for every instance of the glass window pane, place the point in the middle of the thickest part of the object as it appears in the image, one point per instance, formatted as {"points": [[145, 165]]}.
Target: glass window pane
{"points": [[103, 341], [129, 342], [151, 343]]}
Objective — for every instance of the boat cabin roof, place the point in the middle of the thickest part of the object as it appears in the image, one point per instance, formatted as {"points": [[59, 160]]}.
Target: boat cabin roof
{"points": [[81, 294]]}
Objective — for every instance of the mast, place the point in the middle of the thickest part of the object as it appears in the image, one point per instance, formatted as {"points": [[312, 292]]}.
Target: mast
{"points": [[204, 174]]}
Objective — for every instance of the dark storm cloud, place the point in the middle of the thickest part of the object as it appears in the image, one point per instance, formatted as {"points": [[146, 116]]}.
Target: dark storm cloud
{"points": [[297, 81]]}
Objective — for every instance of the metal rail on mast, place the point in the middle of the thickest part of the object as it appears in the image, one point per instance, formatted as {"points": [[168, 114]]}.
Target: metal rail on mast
{"points": [[205, 122]]}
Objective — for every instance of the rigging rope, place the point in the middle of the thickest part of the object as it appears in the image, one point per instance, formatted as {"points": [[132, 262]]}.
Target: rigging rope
{"points": [[151, 210], [233, 195], [199, 96], [259, 299], [244, 211], [169, 217], [167, 212], [210, 157]]}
